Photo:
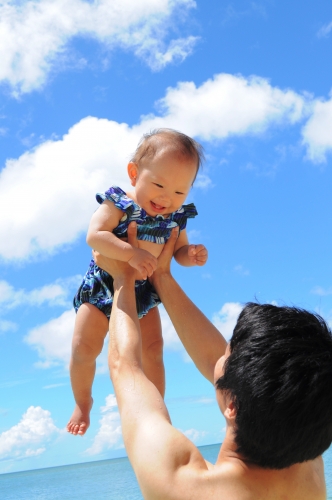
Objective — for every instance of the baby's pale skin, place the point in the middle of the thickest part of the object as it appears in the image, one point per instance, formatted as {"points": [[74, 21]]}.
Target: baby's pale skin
{"points": [[160, 186]]}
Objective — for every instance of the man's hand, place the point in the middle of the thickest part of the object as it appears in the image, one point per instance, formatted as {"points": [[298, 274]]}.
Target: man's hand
{"points": [[164, 259], [197, 254], [116, 268], [144, 262]]}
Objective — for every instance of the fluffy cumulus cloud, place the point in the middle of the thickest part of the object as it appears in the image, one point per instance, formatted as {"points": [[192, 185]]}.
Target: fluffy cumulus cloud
{"points": [[52, 340], [35, 34], [109, 434], [227, 105], [317, 132], [55, 294], [226, 318], [29, 437], [171, 338], [54, 184]]}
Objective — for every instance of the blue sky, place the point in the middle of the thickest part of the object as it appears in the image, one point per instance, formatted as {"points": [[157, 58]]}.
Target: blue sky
{"points": [[81, 81]]}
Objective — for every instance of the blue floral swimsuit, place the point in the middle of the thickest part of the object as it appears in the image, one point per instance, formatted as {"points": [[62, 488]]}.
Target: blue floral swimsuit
{"points": [[97, 285]]}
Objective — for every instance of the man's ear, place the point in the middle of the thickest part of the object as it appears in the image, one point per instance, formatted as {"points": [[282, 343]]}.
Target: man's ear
{"points": [[132, 169], [230, 412]]}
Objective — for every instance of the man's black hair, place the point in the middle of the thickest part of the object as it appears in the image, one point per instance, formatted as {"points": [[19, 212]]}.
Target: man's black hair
{"points": [[279, 376]]}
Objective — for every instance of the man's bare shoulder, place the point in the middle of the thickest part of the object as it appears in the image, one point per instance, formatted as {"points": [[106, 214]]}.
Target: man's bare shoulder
{"points": [[232, 478]]}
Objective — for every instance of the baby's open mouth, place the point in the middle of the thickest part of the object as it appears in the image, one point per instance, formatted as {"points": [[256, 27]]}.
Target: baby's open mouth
{"points": [[157, 207]]}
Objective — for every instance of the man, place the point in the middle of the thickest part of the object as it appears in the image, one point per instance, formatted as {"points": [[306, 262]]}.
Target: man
{"points": [[273, 385]]}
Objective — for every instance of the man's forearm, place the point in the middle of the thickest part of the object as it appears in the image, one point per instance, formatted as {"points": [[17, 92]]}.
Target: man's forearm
{"points": [[203, 342], [125, 338]]}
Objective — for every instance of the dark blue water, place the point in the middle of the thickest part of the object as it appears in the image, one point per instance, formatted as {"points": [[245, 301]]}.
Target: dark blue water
{"points": [[107, 479]]}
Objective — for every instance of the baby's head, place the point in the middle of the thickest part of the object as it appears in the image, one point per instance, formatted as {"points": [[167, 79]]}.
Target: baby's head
{"points": [[163, 169]]}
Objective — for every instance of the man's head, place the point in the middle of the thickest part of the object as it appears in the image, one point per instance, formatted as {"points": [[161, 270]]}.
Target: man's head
{"points": [[279, 376], [163, 170]]}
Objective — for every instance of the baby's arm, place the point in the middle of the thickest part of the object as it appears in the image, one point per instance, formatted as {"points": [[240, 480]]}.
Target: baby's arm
{"points": [[189, 255], [101, 238]]}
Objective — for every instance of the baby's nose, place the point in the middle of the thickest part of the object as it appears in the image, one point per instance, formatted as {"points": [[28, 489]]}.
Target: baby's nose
{"points": [[165, 197]]}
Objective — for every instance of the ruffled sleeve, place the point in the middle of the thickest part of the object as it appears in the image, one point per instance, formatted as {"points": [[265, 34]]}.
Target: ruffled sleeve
{"points": [[118, 197], [183, 214]]}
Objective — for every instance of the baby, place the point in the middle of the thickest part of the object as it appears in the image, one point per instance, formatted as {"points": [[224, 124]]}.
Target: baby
{"points": [[162, 171]]}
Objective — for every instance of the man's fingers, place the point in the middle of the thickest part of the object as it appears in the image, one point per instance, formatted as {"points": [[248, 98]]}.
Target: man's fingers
{"points": [[132, 234], [170, 244]]}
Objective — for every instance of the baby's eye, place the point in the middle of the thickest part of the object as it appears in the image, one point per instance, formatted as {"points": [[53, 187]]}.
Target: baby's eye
{"points": [[158, 185], [178, 192]]}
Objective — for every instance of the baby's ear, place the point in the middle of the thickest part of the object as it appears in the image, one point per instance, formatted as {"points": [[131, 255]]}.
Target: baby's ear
{"points": [[132, 172]]}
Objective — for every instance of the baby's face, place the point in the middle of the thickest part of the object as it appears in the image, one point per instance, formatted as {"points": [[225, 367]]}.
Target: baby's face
{"points": [[162, 183]]}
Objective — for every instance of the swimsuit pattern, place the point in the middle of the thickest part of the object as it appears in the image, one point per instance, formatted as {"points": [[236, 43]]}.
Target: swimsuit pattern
{"points": [[97, 285]]}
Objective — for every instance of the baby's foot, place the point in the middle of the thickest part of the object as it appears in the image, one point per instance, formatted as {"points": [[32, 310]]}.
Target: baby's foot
{"points": [[80, 419]]}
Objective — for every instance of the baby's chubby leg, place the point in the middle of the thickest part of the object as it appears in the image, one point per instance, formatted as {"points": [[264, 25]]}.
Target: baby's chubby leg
{"points": [[91, 327], [152, 349]]}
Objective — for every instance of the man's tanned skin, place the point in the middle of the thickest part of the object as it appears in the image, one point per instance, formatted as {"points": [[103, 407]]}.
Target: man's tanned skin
{"points": [[166, 463]]}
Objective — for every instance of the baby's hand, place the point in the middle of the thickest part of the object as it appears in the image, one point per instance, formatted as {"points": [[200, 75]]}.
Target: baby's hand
{"points": [[197, 254], [144, 262]]}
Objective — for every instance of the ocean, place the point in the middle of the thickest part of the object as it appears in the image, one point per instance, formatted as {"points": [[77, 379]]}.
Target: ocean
{"points": [[104, 480]]}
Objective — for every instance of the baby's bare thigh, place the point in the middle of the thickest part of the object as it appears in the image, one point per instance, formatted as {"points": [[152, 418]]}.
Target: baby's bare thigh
{"points": [[91, 325]]}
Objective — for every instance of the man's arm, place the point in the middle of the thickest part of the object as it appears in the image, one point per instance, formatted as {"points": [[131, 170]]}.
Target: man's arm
{"points": [[166, 463], [201, 339]]}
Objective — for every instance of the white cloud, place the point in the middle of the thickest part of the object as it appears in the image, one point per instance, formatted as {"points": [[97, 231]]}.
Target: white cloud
{"points": [[241, 270], [52, 340], [194, 236], [194, 435], [35, 34], [319, 290], [25, 439], [203, 181], [171, 338], [55, 294], [226, 318], [7, 326], [227, 105], [109, 434], [325, 30], [316, 133], [54, 184], [53, 386]]}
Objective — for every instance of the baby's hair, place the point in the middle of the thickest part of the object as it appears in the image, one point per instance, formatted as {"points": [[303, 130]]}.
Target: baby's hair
{"points": [[181, 143]]}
